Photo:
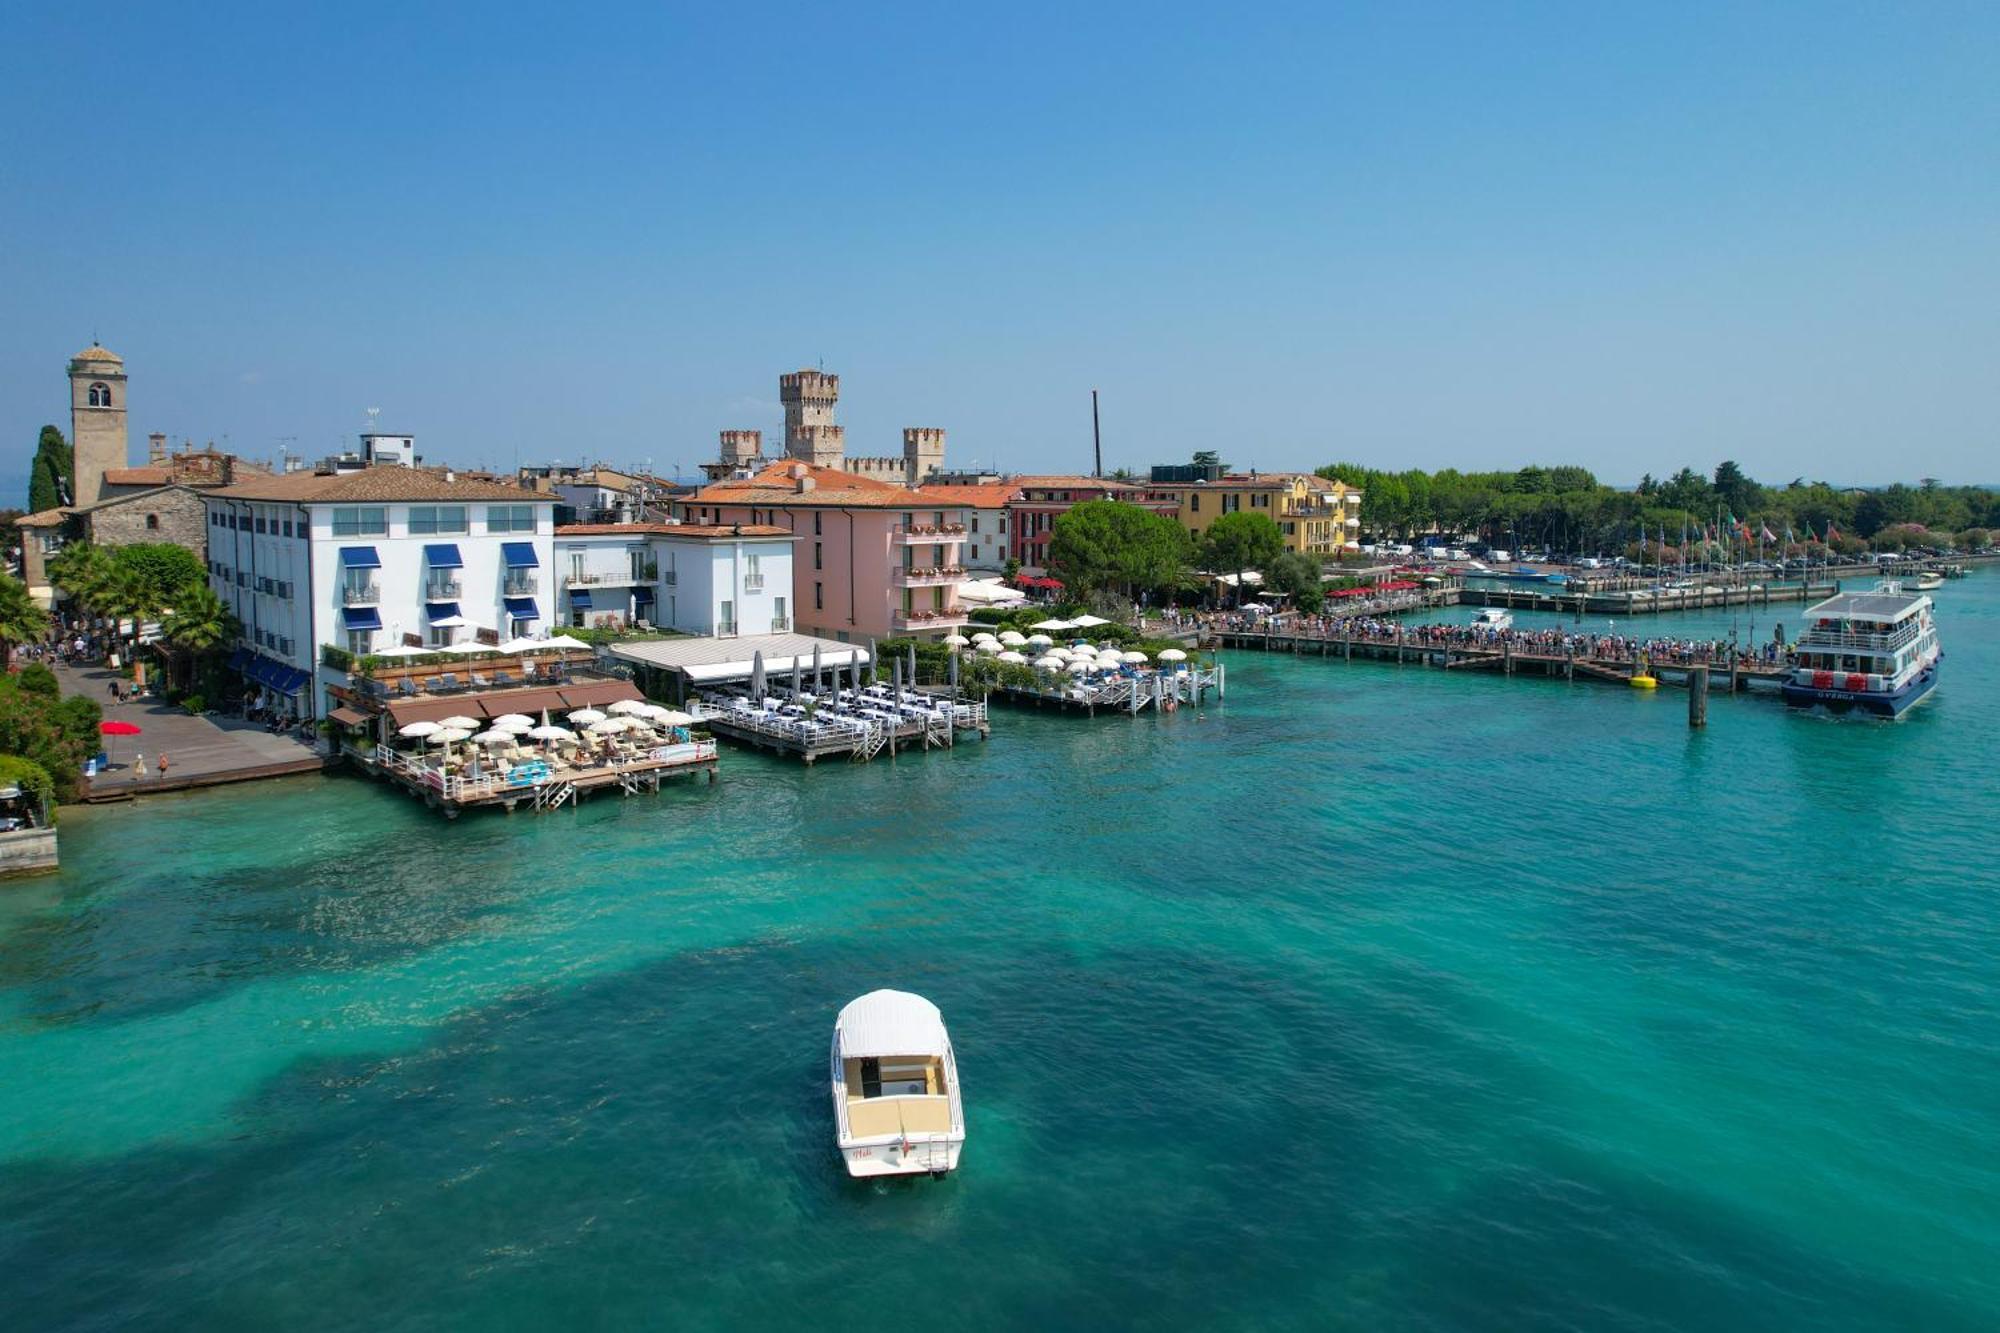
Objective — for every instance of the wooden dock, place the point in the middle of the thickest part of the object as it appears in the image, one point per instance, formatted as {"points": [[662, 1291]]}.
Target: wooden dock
{"points": [[1596, 600], [1160, 691], [1507, 658], [829, 737], [551, 786]]}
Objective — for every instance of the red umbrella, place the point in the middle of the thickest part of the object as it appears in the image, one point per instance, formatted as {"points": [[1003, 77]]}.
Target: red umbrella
{"points": [[118, 729]]}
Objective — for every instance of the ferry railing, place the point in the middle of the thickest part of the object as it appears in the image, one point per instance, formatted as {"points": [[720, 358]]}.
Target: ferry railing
{"points": [[1827, 638]]}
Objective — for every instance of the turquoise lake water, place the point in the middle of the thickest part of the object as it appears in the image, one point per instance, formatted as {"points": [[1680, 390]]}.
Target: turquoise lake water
{"points": [[1373, 998]]}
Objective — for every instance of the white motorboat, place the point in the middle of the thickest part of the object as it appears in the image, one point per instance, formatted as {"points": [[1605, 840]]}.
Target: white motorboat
{"points": [[1492, 617], [896, 1107]]}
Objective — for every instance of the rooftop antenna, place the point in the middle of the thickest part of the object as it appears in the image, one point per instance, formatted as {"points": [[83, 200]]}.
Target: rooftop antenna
{"points": [[1096, 435]]}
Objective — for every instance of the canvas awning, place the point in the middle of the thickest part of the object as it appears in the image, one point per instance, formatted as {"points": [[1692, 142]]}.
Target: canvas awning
{"points": [[579, 599], [348, 717], [361, 617], [518, 555], [443, 555], [706, 661], [359, 557], [439, 612], [523, 608], [890, 1022]]}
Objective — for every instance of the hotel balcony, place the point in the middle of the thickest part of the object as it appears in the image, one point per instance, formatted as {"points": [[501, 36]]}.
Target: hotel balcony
{"points": [[781, 624], [671, 578], [918, 622], [443, 590], [940, 577], [753, 583], [367, 594], [930, 534], [520, 584], [622, 578]]}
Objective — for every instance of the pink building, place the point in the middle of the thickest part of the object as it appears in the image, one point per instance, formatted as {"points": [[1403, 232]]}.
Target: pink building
{"points": [[872, 560], [1043, 500]]}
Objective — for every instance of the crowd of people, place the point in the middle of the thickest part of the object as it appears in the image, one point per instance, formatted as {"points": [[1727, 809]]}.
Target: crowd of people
{"points": [[1550, 641]]}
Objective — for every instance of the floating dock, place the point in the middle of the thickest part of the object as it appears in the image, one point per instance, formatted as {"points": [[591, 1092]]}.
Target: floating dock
{"points": [[826, 734]]}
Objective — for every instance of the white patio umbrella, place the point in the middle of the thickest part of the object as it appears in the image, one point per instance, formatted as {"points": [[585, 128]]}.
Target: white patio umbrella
{"points": [[1053, 624], [627, 706], [1013, 638], [1135, 657], [495, 738], [565, 641], [986, 636], [1062, 654], [672, 717], [1040, 641], [1172, 655], [418, 730], [957, 641], [1011, 656], [583, 717], [1079, 667], [1089, 622], [988, 646], [512, 722], [1049, 663], [609, 725], [551, 733], [460, 723], [447, 736]]}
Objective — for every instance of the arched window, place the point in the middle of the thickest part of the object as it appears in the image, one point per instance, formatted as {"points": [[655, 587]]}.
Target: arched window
{"points": [[152, 520], [100, 395]]}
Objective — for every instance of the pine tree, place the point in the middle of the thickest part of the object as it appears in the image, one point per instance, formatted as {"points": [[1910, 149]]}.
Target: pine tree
{"points": [[50, 475]]}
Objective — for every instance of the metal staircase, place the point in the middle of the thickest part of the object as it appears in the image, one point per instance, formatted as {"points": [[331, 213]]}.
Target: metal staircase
{"points": [[553, 794]]}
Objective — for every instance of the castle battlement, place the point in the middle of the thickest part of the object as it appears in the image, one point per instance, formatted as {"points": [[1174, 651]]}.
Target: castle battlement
{"points": [[740, 446], [808, 384]]}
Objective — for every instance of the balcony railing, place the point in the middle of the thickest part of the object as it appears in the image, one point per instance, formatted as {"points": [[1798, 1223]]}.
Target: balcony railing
{"points": [[725, 629], [753, 583], [443, 590], [519, 585], [598, 578], [363, 594], [781, 624], [927, 620], [930, 534], [1886, 642], [935, 577]]}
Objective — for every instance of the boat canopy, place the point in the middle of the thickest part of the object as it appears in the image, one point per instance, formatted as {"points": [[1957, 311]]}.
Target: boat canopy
{"points": [[890, 1022]]}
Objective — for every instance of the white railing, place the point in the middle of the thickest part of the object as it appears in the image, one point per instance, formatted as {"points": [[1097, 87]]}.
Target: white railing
{"points": [[443, 590], [590, 580], [519, 585], [1826, 638], [459, 787], [753, 583], [931, 619], [726, 630], [780, 624], [365, 595]]}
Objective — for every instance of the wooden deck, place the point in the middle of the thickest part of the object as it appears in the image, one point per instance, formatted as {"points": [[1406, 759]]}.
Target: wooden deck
{"points": [[855, 742], [1507, 659], [562, 784]]}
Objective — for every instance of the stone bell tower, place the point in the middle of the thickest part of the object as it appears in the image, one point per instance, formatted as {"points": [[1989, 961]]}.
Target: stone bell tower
{"points": [[96, 419], [810, 435]]}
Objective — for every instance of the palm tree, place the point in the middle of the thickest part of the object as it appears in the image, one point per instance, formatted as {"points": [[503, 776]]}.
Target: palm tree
{"points": [[130, 595], [84, 572], [21, 620], [199, 622]]}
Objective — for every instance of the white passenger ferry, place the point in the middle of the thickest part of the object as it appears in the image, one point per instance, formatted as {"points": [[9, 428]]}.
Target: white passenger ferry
{"points": [[1876, 651], [1492, 617]]}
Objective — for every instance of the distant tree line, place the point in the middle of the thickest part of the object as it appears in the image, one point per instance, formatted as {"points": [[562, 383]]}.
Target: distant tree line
{"points": [[1567, 508]]}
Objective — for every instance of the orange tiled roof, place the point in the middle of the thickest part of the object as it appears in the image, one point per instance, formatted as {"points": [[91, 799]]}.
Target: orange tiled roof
{"points": [[373, 485], [983, 495], [777, 486], [695, 530], [137, 476], [96, 353]]}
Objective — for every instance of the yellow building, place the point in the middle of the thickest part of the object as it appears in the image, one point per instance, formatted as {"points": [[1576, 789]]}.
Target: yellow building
{"points": [[1316, 516]]}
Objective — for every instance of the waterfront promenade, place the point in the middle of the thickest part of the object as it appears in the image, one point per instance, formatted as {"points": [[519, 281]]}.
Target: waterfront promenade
{"points": [[204, 751]]}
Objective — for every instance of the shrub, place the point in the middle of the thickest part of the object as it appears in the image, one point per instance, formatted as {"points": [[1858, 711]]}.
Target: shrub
{"points": [[30, 777], [195, 705], [38, 679]]}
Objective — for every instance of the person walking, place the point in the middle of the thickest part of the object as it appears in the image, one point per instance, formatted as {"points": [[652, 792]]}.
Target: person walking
{"points": [[139, 765], [163, 765]]}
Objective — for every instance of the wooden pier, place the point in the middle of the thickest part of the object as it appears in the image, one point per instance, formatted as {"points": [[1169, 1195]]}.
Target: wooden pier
{"points": [[1598, 600], [542, 787], [1161, 691], [1507, 658], [823, 735]]}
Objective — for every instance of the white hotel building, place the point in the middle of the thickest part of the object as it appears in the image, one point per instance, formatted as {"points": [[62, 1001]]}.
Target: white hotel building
{"points": [[709, 579], [372, 559]]}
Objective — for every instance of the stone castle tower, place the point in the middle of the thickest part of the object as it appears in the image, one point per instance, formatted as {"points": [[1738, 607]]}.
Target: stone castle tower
{"points": [[923, 452], [742, 448], [96, 419], [810, 435]]}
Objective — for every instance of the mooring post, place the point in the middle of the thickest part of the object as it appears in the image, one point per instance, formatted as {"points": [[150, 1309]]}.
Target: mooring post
{"points": [[1507, 656], [1698, 696]]}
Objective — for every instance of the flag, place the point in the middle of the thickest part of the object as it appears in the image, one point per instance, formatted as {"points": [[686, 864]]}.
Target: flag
{"points": [[1831, 531], [1764, 533], [1789, 538]]}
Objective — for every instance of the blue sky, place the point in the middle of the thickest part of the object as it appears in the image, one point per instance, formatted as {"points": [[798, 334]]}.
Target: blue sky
{"points": [[1623, 236]]}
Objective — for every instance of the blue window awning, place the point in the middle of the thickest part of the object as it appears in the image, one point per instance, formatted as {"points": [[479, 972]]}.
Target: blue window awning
{"points": [[239, 659], [440, 610], [359, 557], [579, 599], [443, 555], [518, 555], [642, 593], [523, 608], [361, 617]]}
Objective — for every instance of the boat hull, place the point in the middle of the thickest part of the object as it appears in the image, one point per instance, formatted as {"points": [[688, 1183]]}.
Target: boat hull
{"points": [[1876, 703], [895, 1158]]}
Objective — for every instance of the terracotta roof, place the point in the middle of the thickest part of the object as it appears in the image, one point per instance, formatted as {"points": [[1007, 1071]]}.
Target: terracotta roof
{"points": [[47, 518], [776, 486], [97, 353], [985, 495], [374, 484], [702, 531], [137, 476], [1077, 483]]}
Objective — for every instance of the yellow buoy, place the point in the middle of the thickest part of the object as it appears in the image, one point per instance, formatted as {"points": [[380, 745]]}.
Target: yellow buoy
{"points": [[1644, 683]]}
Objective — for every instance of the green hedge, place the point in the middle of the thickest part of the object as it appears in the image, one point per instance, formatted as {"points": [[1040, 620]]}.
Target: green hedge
{"points": [[29, 776]]}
